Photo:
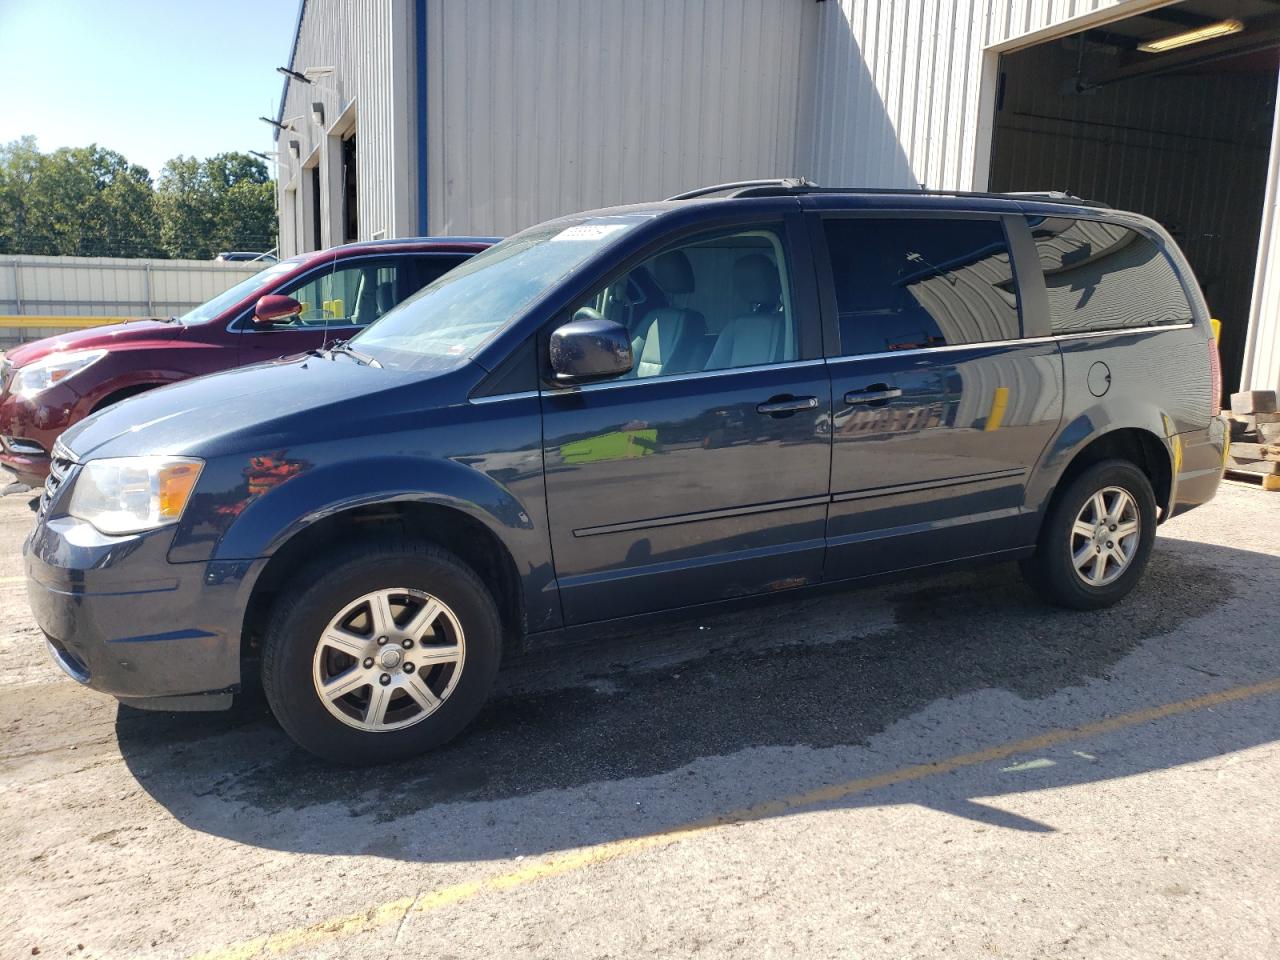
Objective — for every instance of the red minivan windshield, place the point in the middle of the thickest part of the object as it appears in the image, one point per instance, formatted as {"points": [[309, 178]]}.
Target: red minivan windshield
{"points": [[229, 298]]}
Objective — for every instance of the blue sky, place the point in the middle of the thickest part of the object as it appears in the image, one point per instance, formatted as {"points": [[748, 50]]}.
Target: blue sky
{"points": [[147, 78]]}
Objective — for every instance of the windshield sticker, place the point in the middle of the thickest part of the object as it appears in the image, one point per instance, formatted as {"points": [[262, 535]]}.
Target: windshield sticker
{"points": [[590, 231]]}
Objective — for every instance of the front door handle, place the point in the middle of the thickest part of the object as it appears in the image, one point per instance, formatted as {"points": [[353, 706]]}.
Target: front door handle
{"points": [[784, 405], [876, 393]]}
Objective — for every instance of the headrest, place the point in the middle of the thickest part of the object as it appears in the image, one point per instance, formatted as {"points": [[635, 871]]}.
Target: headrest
{"points": [[672, 272], [756, 280]]}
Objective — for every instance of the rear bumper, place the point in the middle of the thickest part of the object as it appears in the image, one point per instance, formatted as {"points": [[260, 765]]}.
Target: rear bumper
{"points": [[118, 618], [1199, 458]]}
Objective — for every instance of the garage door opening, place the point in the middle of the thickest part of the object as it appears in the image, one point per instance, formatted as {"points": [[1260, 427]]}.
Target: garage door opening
{"points": [[1169, 114]]}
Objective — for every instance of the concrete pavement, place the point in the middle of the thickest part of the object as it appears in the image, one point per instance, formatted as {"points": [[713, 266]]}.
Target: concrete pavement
{"points": [[942, 767]]}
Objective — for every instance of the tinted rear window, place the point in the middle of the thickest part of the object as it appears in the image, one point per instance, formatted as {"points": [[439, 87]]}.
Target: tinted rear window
{"points": [[910, 283], [1103, 276]]}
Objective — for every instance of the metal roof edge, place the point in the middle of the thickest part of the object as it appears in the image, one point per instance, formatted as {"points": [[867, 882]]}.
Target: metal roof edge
{"points": [[293, 53]]}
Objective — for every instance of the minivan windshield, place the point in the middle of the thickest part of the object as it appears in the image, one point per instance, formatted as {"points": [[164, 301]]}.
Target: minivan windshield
{"points": [[229, 298], [450, 319]]}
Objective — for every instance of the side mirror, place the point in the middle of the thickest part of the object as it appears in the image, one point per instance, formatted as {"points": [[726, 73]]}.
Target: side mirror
{"points": [[273, 308], [588, 348]]}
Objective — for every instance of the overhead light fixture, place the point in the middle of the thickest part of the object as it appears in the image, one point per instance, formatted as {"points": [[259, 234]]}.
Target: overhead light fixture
{"points": [[317, 112], [293, 74], [1210, 31], [265, 156], [295, 148], [275, 123]]}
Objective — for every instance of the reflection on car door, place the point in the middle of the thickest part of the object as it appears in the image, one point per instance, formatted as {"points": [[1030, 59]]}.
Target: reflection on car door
{"points": [[704, 473], [941, 411]]}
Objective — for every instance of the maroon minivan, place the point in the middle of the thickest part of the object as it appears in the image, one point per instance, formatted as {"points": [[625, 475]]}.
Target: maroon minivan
{"points": [[290, 307]]}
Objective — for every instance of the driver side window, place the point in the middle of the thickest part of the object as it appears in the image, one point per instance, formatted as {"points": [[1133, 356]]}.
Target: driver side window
{"points": [[713, 303], [352, 296]]}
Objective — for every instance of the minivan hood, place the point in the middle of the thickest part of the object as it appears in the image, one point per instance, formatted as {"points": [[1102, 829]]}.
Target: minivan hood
{"points": [[234, 409], [106, 337]]}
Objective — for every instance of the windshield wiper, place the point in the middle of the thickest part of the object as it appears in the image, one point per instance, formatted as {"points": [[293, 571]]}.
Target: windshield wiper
{"points": [[342, 346]]}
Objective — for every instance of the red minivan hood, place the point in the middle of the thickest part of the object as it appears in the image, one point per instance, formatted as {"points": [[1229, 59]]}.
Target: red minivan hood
{"points": [[108, 337]]}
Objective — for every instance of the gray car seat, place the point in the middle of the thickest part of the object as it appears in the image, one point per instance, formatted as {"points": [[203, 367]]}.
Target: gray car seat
{"points": [[366, 310], [386, 296], [757, 337], [670, 336]]}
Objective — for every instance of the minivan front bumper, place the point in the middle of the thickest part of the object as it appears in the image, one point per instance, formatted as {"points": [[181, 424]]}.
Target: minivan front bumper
{"points": [[121, 619]]}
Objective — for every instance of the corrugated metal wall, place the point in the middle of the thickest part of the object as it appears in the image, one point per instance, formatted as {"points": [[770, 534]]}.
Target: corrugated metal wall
{"points": [[542, 107], [112, 286], [370, 45], [613, 102], [898, 85]]}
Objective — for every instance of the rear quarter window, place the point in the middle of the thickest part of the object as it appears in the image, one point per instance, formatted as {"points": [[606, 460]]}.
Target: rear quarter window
{"points": [[1103, 276]]}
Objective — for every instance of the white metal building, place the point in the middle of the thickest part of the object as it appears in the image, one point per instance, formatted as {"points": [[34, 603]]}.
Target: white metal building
{"points": [[484, 116]]}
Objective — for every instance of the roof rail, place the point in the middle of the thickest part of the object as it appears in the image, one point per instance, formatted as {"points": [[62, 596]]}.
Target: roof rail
{"points": [[733, 188], [783, 186], [1055, 196], [1046, 196]]}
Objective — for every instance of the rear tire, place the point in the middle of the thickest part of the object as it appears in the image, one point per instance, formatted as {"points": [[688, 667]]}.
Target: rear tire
{"points": [[1096, 538], [416, 689]]}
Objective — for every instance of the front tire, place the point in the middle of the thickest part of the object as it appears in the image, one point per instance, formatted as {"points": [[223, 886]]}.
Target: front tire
{"points": [[380, 652], [1096, 538]]}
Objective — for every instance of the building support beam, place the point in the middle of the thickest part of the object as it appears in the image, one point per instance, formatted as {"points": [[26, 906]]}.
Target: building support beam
{"points": [[1261, 368]]}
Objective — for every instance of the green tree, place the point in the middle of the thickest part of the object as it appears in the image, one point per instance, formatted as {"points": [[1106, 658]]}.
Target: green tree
{"points": [[226, 202], [18, 163], [90, 201], [75, 201], [185, 209]]}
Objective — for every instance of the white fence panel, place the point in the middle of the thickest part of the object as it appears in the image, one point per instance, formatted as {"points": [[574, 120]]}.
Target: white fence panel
{"points": [[41, 296], [112, 286]]}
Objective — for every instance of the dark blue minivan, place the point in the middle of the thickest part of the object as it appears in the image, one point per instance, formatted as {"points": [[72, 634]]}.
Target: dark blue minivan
{"points": [[744, 390]]}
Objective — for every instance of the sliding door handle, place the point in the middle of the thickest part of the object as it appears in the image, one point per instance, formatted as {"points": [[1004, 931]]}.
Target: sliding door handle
{"points": [[876, 393], [784, 405]]}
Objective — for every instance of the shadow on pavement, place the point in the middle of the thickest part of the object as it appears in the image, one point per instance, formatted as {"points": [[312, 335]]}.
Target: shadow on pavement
{"points": [[550, 762]]}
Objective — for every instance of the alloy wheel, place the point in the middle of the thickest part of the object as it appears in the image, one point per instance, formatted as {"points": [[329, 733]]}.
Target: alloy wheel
{"points": [[389, 659], [1105, 536]]}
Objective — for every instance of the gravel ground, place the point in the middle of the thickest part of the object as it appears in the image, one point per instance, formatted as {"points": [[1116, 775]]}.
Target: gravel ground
{"points": [[890, 772]]}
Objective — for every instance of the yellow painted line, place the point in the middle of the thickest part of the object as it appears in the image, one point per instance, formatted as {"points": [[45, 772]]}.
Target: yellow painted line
{"points": [[395, 911], [5, 581], [27, 321]]}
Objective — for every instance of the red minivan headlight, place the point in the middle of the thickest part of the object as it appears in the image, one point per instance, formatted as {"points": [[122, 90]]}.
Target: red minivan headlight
{"points": [[44, 373]]}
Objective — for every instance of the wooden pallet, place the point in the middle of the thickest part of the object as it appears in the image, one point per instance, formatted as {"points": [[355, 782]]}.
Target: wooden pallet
{"points": [[1243, 450], [1268, 481]]}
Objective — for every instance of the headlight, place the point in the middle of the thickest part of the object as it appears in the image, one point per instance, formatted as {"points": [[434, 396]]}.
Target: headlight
{"points": [[44, 373], [133, 494]]}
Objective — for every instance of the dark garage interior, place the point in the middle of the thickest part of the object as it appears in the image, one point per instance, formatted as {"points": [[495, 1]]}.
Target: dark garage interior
{"points": [[1181, 133]]}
